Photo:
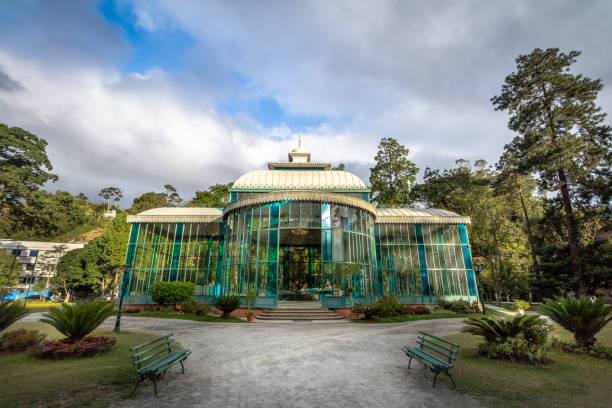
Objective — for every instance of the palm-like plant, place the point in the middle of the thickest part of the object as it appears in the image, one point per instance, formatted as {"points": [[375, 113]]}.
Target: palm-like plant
{"points": [[227, 304], [582, 316], [10, 312], [497, 330], [78, 320]]}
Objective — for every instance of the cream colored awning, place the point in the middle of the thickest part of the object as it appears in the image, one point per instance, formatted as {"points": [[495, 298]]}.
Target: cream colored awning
{"points": [[299, 180], [420, 215], [178, 214]]}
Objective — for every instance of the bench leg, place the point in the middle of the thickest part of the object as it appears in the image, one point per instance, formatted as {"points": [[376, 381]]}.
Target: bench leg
{"points": [[137, 384], [434, 380], [154, 385], [453, 381], [410, 361], [182, 368]]}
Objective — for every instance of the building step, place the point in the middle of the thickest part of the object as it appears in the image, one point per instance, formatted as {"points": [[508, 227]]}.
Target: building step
{"points": [[299, 314]]}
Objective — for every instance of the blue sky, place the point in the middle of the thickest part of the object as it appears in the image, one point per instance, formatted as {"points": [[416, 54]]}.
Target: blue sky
{"points": [[142, 93]]}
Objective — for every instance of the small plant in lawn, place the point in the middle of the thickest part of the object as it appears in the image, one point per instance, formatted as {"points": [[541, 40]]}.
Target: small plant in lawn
{"points": [[420, 310], [79, 319], [520, 305], [389, 306], [20, 340], [192, 306], [227, 304], [369, 309], [10, 312], [582, 316], [521, 338], [172, 293]]}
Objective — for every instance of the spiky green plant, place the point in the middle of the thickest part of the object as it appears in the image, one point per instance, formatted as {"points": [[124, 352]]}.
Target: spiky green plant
{"points": [[497, 330], [10, 312], [582, 316], [78, 320], [227, 304]]}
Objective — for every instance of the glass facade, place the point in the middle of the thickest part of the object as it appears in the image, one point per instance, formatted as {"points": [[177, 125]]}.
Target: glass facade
{"points": [[174, 252], [424, 260]]}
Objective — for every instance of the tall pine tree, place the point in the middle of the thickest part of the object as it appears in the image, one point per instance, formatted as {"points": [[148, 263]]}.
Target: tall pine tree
{"points": [[561, 135]]}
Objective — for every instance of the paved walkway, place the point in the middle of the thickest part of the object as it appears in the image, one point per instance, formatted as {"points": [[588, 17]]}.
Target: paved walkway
{"points": [[296, 365]]}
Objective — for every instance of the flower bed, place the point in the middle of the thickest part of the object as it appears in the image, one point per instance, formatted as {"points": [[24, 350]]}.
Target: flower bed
{"points": [[62, 349], [596, 350]]}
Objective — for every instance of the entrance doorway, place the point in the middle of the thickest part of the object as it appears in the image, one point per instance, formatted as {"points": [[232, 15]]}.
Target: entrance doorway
{"points": [[299, 272]]}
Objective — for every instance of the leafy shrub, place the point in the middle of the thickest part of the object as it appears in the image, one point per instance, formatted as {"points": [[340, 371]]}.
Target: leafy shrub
{"points": [[497, 330], [582, 316], [520, 304], [227, 304], [20, 340], [10, 312], [389, 306], [172, 293], [193, 307], [420, 310], [78, 320], [90, 346], [517, 349], [459, 306], [369, 309], [596, 350]]}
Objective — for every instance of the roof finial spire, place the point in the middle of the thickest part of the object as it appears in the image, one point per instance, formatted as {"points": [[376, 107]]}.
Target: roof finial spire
{"points": [[299, 140]]}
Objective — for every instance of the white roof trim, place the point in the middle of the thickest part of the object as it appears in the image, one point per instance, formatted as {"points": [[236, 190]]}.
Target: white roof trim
{"points": [[299, 180]]}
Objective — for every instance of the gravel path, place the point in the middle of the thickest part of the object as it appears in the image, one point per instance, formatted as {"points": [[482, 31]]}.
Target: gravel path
{"points": [[296, 365]]}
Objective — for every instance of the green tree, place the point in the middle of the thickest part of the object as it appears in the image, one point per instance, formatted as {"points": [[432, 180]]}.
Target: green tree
{"points": [[9, 271], [339, 167], [172, 196], [148, 201], [217, 196], [561, 136], [24, 165], [393, 175], [110, 194]]}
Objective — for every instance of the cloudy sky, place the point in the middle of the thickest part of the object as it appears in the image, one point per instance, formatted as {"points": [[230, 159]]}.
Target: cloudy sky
{"points": [[138, 94]]}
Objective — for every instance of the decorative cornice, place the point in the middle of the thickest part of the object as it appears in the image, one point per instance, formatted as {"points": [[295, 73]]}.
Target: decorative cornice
{"points": [[132, 219], [315, 165], [314, 196], [423, 220]]}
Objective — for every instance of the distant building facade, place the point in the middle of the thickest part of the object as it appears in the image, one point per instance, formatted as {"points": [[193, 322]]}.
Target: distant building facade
{"points": [[35, 261], [301, 231]]}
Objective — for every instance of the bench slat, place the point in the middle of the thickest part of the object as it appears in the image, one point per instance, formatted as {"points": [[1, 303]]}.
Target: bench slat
{"points": [[150, 342], [182, 357], [439, 352], [164, 361], [441, 339], [157, 353], [450, 350], [421, 354], [148, 350]]}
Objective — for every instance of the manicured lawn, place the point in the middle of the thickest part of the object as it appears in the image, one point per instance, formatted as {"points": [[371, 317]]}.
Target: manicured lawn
{"points": [[97, 381], [435, 314], [570, 381], [35, 306], [168, 314]]}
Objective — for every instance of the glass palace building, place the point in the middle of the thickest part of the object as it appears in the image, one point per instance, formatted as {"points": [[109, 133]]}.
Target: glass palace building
{"points": [[301, 231]]}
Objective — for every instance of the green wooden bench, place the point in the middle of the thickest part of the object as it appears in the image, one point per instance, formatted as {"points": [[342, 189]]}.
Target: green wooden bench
{"points": [[154, 358], [440, 362]]}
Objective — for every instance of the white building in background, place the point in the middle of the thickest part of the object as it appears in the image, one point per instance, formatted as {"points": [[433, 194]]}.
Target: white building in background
{"points": [[35, 261]]}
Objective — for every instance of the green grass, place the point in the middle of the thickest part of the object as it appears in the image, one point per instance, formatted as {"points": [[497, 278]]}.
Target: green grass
{"points": [[435, 314], [35, 306], [570, 381], [168, 314], [98, 381]]}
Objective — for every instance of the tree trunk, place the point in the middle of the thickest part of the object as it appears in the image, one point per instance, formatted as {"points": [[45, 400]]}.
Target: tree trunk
{"points": [[528, 225], [67, 298], [572, 235]]}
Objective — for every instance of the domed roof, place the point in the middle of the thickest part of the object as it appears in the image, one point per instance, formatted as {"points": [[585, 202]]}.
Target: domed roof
{"points": [[299, 180]]}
